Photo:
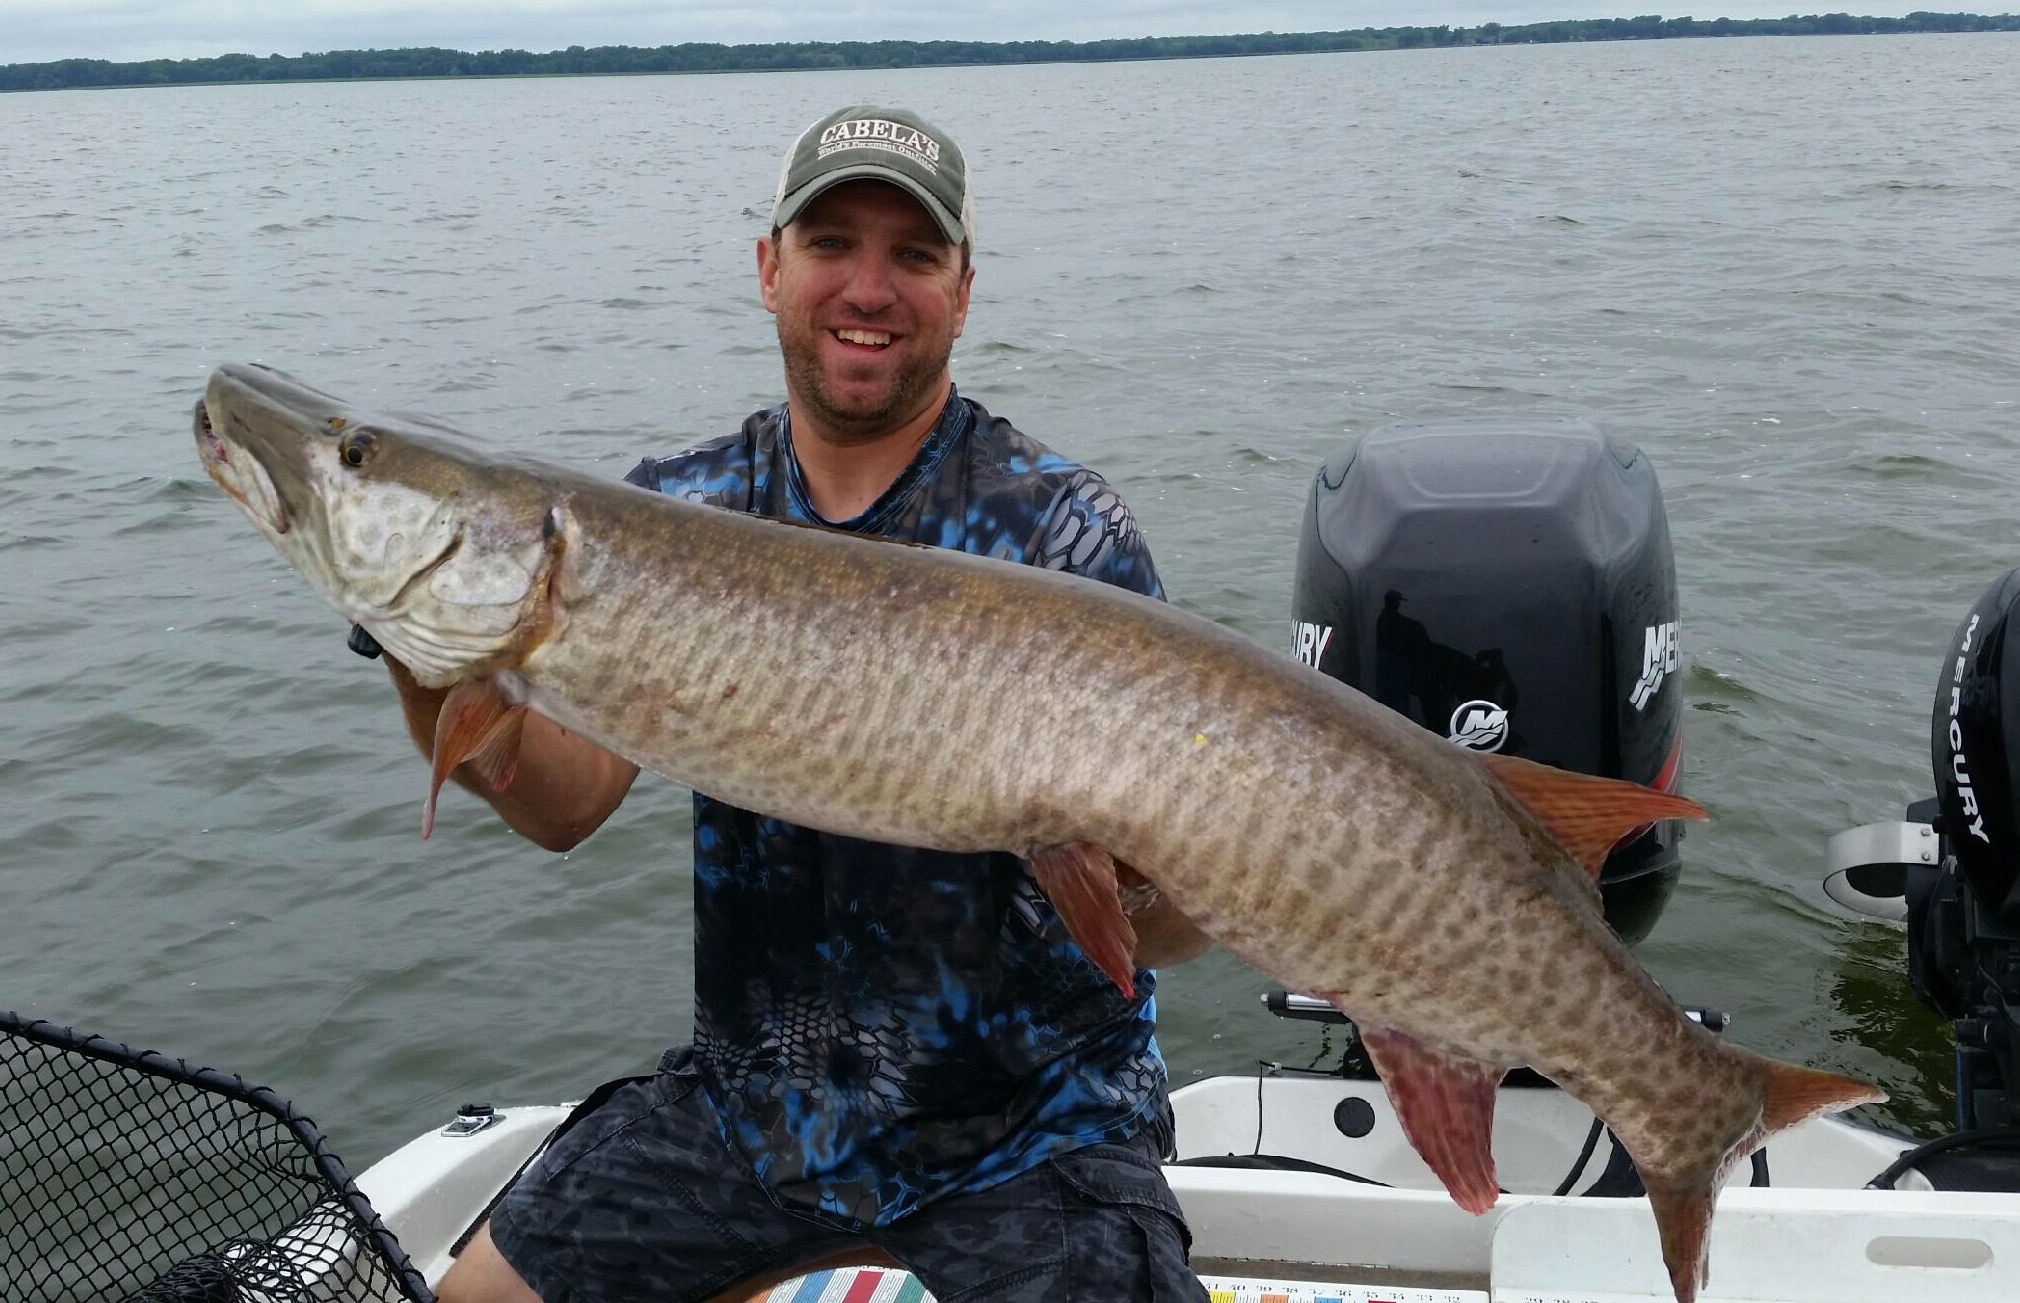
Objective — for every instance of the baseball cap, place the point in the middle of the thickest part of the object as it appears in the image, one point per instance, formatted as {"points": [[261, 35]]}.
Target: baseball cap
{"points": [[893, 145]]}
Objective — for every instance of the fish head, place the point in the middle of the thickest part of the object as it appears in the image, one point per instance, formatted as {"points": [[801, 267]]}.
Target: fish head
{"points": [[444, 553]]}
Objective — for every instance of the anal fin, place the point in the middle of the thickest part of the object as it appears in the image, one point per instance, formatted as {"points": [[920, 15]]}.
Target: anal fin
{"points": [[1080, 881], [1445, 1103]]}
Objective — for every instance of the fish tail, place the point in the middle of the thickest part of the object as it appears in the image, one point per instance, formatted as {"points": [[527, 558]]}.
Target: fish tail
{"points": [[1793, 1095], [1682, 1202]]}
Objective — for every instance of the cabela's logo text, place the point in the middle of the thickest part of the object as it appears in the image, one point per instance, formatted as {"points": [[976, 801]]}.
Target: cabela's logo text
{"points": [[882, 133]]}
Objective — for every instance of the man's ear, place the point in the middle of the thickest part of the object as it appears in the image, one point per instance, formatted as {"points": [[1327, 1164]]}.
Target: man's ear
{"points": [[768, 272], [961, 300]]}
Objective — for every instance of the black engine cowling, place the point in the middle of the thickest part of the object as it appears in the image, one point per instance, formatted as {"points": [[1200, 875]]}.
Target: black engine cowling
{"points": [[1964, 926], [1508, 583], [1977, 717]]}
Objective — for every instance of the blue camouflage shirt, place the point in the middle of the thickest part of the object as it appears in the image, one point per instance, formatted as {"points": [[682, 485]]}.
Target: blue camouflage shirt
{"points": [[879, 1026]]}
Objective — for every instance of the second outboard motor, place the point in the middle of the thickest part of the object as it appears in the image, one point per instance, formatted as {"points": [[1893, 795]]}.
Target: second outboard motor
{"points": [[1964, 928], [1508, 584], [1951, 873]]}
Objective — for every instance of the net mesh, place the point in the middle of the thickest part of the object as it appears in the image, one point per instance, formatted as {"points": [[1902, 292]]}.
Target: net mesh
{"points": [[126, 1175]]}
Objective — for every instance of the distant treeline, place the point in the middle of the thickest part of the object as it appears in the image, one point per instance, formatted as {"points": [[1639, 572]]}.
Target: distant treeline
{"points": [[338, 65]]}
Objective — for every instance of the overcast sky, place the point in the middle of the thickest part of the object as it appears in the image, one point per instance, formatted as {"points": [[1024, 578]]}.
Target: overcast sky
{"points": [[34, 31]]}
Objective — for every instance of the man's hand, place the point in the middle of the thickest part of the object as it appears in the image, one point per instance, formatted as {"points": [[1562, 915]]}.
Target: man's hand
{"points": [[1164, 936], [563, 787]]}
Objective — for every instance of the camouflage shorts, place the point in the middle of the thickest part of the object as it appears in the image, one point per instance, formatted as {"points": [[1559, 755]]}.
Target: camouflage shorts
{"points": [[641, 1199]]}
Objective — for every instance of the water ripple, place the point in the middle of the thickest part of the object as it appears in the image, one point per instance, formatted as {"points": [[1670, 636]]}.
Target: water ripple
{"points": [[1783, 268]]}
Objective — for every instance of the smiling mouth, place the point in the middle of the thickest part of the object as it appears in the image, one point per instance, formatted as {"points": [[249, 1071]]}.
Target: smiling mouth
{"points": [[868, 338]]}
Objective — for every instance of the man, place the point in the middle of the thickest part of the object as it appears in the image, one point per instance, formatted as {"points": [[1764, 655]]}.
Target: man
{"points": [[898, 1054]]}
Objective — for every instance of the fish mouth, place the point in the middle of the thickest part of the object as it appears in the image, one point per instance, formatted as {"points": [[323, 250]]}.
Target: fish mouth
{"points": [[239, 473]]}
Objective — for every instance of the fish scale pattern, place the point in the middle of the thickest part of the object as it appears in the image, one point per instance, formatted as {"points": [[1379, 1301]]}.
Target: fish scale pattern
{"points": [[879, 1026]]}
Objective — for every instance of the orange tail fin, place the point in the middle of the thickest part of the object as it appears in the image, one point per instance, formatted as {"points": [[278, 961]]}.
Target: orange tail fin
{"points": [[1586, 815], [1796, 1094], [1791, 1095]]}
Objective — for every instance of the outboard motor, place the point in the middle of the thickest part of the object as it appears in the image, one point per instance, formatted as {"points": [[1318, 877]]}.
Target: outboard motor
{"points": [[1964, 934], [1972, 737], [1951, 873], [1508, 584]]}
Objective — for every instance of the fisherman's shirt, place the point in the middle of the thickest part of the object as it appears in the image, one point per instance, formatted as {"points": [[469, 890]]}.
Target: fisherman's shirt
{"points": [[881, 1026]]}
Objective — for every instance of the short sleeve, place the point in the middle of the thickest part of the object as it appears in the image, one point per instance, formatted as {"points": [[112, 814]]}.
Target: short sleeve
{"points": [[717, 473], [1089, 531]]}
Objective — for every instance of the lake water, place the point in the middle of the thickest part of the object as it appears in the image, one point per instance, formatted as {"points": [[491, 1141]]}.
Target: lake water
{"points": [[1785, 267]]}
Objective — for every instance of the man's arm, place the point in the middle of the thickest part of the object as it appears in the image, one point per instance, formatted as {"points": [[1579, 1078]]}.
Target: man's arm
{"points": [[1165, 937], [1102, 542], [563, 787]]}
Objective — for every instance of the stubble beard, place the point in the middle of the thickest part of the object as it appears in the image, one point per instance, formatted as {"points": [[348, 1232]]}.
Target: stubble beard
{"points": [[862, 422]]}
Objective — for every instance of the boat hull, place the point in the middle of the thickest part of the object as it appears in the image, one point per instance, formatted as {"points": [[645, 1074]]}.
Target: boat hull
{"points": [[1305, 1236]]}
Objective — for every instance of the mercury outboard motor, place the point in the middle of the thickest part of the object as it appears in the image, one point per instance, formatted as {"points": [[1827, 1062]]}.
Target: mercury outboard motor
{"points": [[1951, 874], [1508, 584], [1964, 919], [1972, 735]]}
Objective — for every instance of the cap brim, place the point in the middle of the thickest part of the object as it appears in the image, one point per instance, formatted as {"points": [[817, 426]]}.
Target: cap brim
{"points": [[791, 206]]}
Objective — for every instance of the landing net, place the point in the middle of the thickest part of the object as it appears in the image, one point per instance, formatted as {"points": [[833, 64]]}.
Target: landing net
{"points": [[130, 1177]]}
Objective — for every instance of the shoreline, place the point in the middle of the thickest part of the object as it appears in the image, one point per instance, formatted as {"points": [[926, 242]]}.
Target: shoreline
{"points": [[438, 64]]}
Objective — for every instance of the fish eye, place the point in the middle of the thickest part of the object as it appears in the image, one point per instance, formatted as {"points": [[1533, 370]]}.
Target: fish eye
{"points": [[357, 447]]}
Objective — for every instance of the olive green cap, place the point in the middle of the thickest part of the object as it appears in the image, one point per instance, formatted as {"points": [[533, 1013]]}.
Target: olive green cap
{"points": [[879, 144]]}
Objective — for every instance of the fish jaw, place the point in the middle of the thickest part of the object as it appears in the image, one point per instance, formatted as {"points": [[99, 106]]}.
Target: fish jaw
{"points": [[380, 518], [242, 477]]}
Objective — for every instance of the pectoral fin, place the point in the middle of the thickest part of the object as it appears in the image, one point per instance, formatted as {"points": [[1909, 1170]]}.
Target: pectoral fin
{"points": [[1080, 882], [1446, 1105], [496, 758], [476, 724]]}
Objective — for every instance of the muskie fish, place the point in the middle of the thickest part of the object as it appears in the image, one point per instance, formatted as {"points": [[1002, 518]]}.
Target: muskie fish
{"points": [[1443, 899]]}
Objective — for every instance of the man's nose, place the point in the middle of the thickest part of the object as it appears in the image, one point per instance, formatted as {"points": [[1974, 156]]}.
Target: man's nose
{"points": [[871, 287]]}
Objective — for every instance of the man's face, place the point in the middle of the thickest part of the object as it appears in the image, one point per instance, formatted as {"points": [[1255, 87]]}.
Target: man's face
{"points": [[869, 298]]}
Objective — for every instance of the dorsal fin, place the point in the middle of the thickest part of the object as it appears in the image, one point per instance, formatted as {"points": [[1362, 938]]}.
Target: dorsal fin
{"points": [[1586, 815]]}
